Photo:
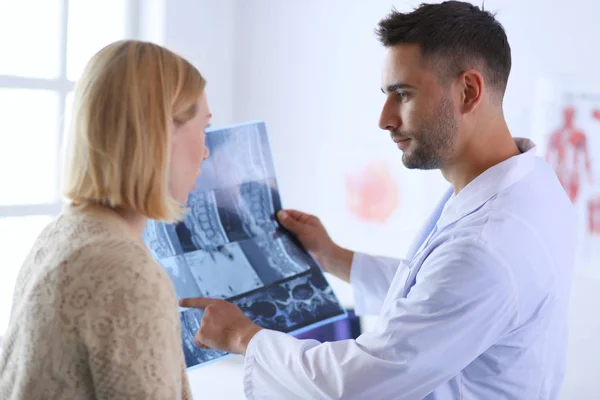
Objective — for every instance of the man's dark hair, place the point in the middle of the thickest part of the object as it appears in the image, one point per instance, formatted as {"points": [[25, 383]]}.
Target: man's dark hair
{"points": [[455, 36]]}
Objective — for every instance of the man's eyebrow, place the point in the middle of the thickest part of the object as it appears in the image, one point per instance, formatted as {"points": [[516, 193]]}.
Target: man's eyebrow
{"points": [[396, 87]]}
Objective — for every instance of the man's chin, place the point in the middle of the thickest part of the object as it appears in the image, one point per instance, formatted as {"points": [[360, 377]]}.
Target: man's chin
{"points": [[409, 165], [411, 162], [421, 166]]}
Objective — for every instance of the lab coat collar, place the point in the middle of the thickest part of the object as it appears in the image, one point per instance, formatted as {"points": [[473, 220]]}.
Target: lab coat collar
{"points": [[489, 183]]}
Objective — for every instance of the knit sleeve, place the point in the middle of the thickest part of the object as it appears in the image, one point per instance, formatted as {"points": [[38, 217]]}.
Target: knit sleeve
{"points": [[131, 329]]}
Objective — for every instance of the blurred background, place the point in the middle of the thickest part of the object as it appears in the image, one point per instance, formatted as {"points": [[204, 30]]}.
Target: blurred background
{"points": [[311, 70]]}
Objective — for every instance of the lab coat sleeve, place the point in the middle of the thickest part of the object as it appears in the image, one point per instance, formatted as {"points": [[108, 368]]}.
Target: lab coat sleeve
{"points": [[371, 277], [463, 301]]}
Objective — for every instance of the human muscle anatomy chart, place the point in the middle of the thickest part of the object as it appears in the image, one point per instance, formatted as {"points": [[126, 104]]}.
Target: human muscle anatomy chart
{"points": [[568, 153], [593, 210], [568, 127]]}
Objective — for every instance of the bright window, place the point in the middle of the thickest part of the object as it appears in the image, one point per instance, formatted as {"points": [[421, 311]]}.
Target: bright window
{"points": [[28, 156], [44, 46], [30, 38]]}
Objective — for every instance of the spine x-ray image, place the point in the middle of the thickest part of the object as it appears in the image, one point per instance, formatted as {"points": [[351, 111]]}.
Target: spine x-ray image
{"points": [[230, 246]]}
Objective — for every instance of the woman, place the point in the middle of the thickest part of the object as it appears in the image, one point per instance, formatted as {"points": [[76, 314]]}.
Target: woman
{"points": [[94, 316]]}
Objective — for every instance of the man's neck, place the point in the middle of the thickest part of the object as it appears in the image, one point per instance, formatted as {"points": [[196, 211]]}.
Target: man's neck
{"points": [[479, 154]]}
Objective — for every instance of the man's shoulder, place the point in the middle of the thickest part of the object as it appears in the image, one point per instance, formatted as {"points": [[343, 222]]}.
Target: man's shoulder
{"points": [[535, 206], [465, 252]]}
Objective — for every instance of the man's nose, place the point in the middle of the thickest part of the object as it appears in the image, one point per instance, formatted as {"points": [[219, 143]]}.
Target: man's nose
{"points": [[389, 119]]}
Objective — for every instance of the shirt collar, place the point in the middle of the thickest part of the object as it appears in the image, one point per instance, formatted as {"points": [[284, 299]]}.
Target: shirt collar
{"points": [[489, 183]]}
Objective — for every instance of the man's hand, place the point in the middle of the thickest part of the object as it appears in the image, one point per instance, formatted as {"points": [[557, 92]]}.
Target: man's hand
{"points": [[312, 234], [309, 230], [223, 327]]}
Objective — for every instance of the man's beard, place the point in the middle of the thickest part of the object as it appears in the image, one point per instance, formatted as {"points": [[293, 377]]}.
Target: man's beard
{"points": [[434, 140]]}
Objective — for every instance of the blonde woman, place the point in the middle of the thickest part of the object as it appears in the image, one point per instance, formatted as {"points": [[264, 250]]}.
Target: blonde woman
{"points": [[93, 316]]}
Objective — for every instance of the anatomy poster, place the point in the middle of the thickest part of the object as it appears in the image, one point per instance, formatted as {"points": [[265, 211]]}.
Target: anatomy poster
{"points": [[229, 245], [566, 127]]}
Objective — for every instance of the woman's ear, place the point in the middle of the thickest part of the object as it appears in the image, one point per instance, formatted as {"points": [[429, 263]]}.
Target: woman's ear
{"points": [[172, 126]]}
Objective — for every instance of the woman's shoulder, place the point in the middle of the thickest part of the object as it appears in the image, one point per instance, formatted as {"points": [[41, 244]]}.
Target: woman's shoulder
{"points": [[106, 253], [81, 250], [112, 268], [99, 232], [118, 255]]}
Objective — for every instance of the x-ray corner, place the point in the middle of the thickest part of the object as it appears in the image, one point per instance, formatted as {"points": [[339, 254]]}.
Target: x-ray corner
{"points": [[230, 246]]}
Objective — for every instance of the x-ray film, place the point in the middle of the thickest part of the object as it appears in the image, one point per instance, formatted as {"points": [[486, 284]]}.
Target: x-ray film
{"points": [[230, 246]]}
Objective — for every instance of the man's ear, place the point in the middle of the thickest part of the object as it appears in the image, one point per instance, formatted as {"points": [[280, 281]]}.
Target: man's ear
{"points": [[471, 84]]}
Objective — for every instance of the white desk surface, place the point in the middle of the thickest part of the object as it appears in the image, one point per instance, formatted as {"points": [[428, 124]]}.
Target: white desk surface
{"points": [[221, 380]]}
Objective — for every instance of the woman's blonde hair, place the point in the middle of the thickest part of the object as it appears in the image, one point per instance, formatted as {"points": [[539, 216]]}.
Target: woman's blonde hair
{"points": [[118, 146]]}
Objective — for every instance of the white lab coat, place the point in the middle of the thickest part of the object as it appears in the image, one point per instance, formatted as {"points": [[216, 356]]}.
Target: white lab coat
{"points": [[476, 311]]}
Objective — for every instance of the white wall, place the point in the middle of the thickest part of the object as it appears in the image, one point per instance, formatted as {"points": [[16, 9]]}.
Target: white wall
{"points": [[311, 69], [204, 32]]}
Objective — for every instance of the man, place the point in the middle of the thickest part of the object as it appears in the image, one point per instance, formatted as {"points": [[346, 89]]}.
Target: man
{"points": [[478, 309]]}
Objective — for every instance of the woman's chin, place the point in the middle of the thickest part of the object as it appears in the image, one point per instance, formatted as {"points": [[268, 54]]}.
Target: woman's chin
{"points": [[181, 198]]}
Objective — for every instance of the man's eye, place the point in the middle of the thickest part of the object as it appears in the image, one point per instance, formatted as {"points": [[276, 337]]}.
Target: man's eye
{"points": [[402, 95]]}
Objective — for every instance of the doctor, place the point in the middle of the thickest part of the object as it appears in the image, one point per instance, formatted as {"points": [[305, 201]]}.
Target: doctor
{"points": [[478, 308]]}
